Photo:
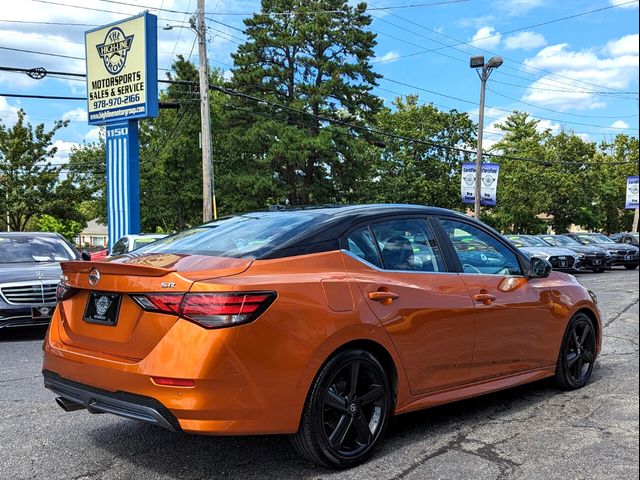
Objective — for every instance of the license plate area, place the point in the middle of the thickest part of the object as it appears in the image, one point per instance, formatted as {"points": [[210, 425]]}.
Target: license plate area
{"points": [[564, 264], [628, 257], [42, 312], [597, 262], [102, 308]]}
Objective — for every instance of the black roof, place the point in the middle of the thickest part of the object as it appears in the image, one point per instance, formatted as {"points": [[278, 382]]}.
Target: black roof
{"points": [[331, 222]]}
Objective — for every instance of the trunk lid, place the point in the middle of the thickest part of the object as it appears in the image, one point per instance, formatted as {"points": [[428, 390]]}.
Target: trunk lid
{"points": [[103, 288]]}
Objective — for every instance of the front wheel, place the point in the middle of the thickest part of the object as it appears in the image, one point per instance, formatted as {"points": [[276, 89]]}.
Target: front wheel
{"points": [[347, 411], [631, 267], [577, 353]]}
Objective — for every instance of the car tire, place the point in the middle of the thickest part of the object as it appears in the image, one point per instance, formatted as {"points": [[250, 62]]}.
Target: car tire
{"points": [[631, 267], [577, 353], [343, 419]]}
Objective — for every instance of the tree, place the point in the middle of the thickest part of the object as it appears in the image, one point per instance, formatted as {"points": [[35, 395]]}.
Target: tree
{"points": [[312, 65], [611, 179], [413, 172], [28, 180], [572, 194], [87, 176], [521, 194], [67, 228]]}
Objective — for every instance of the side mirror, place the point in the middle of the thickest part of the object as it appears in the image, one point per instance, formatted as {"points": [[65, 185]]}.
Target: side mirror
{"points": [[539, 268], [86, 256]]}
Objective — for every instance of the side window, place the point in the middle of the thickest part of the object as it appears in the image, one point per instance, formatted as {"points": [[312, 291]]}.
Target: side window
{"points": [[362, 245], [408, 245], [120, 247], [480, 252]]}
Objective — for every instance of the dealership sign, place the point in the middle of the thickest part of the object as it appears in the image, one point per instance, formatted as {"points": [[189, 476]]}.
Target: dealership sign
{"points": [[632, 193], [489, 183], [122, 70]]}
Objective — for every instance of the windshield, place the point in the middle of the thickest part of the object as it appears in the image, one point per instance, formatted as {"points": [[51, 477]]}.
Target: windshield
{"points": [[520, 241], [588, 238], [560, 241], [142, 241], [244, 236], [24, 249]]}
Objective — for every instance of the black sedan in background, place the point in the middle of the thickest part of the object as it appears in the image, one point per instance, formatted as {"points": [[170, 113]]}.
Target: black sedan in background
{"points": [[29, 273], [591, 258], [621, 254], [628, 238]]}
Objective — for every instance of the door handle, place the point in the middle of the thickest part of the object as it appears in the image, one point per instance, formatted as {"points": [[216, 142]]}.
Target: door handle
{"points": [[384, 297], [485, 298]]}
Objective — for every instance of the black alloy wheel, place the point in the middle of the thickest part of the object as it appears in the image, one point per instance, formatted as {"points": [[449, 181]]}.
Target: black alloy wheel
{"points": [[346, 412], [577, 354]]}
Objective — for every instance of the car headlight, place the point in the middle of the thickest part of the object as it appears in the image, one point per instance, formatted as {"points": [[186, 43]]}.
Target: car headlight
{"points": [[607, 254], [581, 256]]}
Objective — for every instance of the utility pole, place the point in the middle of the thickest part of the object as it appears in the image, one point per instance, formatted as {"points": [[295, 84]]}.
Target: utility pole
{"points": [[484, 70], [207, 169]]}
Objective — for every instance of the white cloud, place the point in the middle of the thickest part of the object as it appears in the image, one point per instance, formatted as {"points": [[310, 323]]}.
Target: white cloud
{"points": [[624, 3], [485, 37], [77, 114], [524, 41], [388, 57], [8, 113], [627, 45], [576, 75], [94, 135], [519, 7], [619, 124], [64, 149]]}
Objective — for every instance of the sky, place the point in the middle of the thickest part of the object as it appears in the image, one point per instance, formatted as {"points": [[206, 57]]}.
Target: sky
{"points": [[572, 64]]}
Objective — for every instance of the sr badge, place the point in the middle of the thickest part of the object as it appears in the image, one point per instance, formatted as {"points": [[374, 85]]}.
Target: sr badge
{"points": [[114, 50]]}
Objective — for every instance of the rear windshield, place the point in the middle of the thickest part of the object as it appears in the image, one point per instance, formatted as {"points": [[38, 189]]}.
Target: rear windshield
{"points": [[24, 249], [244, 236]]}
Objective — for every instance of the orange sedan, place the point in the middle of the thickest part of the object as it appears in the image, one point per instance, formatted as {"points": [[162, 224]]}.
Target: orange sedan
{"points": [[320, 323]]}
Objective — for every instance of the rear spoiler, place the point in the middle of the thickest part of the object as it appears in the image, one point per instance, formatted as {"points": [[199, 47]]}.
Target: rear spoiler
{"points": [[115, 268]]}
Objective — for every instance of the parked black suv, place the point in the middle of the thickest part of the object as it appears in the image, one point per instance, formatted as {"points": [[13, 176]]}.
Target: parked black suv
{"points": [[621, 254], [29, 273]]}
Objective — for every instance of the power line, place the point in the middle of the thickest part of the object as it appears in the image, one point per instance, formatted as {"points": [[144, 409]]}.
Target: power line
{"points": [[460, 42], [498, 108], [556, 111], [593, 92], [293, 12]]}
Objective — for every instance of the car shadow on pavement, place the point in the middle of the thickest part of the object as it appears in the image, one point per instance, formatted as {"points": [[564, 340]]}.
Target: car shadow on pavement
{"points": [[179, 455], [22, 334]]}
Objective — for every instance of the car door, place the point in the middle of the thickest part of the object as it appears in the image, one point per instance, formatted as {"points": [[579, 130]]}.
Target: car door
{"points": [[399, 268], [515, 321]]}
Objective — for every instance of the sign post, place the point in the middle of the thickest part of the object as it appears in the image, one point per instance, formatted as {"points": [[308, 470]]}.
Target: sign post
{"points": [[122, 87], [633, 192]]}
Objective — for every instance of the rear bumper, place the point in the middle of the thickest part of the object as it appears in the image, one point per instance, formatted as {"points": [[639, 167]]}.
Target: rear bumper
{"points": [[124, 404]]}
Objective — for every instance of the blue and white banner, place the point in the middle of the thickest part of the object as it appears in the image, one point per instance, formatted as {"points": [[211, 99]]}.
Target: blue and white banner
{"points": [[489, 185], [632, 193], [123, 181]]}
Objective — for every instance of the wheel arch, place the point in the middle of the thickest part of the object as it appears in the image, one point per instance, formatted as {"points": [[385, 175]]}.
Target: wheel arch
{"points": [[595, 319]]}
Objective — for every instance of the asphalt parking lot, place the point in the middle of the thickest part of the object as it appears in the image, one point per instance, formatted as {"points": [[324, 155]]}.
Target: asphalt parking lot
{"points": [[532, 432]]}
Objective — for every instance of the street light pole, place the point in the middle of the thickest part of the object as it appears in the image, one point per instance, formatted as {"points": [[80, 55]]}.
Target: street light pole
{"points": [[205, 121], [484, 70]]}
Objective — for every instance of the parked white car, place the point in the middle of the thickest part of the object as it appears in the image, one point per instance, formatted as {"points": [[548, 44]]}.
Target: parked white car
{"points": [[130, 242]]}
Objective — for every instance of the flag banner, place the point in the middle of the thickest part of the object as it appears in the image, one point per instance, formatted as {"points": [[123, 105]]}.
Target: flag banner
{"points": [[489, 183], [632, 193]]}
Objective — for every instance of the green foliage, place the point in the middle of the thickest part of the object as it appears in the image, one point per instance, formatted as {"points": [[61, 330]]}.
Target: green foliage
{"points": [[68, 228], [29, 184], [411, 172], [312, 62]]}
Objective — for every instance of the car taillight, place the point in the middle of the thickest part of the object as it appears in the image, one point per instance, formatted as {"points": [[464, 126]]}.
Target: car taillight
{"points": [[160, 302], [210, 310], [63, 290]]}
